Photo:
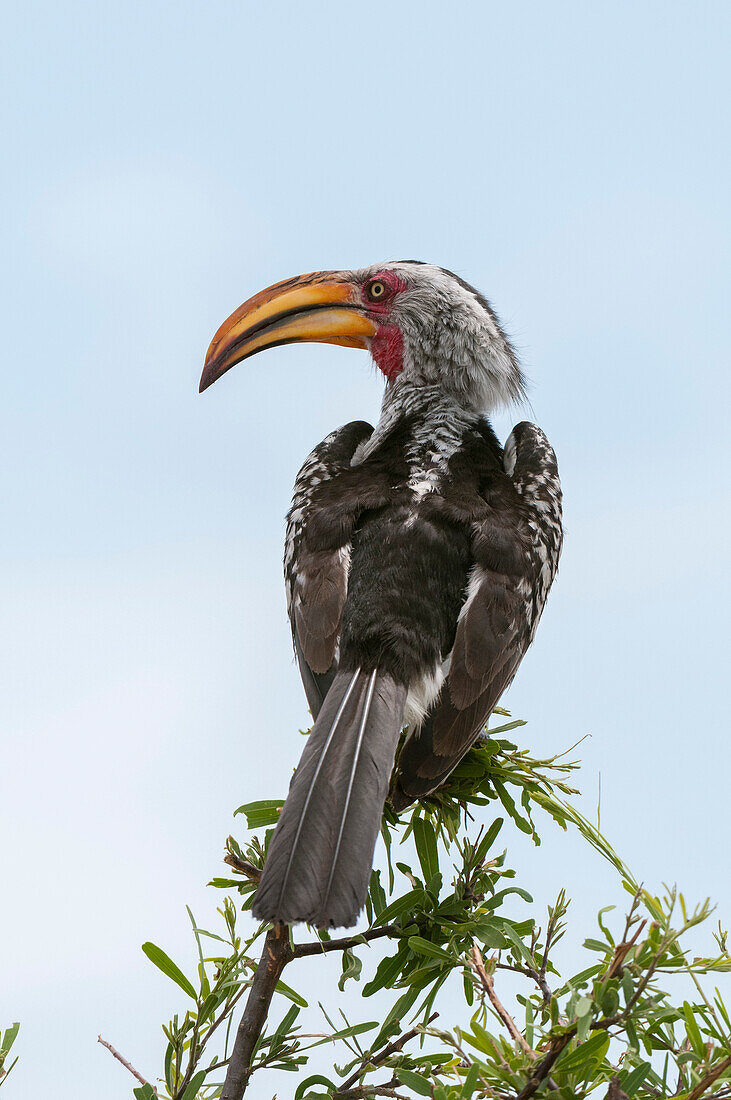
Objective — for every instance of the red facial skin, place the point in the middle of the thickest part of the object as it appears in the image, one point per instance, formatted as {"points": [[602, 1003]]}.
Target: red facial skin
{"points": [[387, 346]]}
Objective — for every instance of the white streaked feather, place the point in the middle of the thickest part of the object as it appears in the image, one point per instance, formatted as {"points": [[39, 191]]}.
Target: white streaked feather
{"points": [[353, 769], [421, 695], [320, 762], [510, 455], [477, 575]]}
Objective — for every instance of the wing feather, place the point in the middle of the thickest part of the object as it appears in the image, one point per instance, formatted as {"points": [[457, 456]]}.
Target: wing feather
{"points": [[516, 546], [317, 561]]}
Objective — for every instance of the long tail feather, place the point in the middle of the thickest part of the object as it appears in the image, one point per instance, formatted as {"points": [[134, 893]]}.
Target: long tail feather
{"points": [[311, 787], [353, 771], [319, 859]]}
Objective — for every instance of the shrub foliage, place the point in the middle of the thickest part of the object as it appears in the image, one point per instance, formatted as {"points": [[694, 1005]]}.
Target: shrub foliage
{"points": [[641, 1019]]}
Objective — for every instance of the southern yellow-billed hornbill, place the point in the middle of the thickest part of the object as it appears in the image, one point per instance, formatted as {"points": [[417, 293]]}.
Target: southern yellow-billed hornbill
{"points": [[418, 558]]}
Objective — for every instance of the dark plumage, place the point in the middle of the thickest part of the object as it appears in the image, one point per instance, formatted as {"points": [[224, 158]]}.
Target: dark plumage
{"points": [[418, 559], [319, 859]]}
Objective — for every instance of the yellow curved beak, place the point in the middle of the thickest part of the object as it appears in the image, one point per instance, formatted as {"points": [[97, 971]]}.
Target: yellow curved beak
{"points": [[322, 306]]}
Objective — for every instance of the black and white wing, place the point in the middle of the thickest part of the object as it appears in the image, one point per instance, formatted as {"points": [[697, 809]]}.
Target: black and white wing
{"points": [[516, 544], [317, 559]]}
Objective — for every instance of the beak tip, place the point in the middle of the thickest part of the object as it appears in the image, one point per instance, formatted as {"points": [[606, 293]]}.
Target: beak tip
{"points": [[212, 371], [207, 378]]}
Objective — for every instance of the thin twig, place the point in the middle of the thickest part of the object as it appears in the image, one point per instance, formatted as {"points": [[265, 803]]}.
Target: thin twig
{"points": [[276, 954], [228, 1008], [684, 1047], [127, 1065], [346, 943], [623, 947], [388, 1050], [218, 1065], [197, 1047], [616, 1092], [478, 965], [534, 975], [242, 865], [620, 953], [544, 1067], [365, 1092], [551, 931], [709, 1079]]}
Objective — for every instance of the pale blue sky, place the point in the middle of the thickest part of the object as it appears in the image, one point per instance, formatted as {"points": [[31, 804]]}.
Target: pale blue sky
{"points": [[164, 161]]}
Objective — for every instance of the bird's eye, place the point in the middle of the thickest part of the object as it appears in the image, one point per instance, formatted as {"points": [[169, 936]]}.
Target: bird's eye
{"points": [[377, 290]]}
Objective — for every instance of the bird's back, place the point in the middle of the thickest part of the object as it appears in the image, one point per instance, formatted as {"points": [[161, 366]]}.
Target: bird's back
{"points": [[410, 558]]}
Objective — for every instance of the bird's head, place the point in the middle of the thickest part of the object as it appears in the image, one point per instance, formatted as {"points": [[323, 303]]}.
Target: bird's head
{"points": [[423, 325]]}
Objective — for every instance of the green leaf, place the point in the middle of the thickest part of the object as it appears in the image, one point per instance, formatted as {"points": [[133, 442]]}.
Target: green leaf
{"points": [[163, 962], [434, 886], [584, 1012], [195, 1083], [209, 1005], [387, 971], [426, 947], [345, 1033], [426, 1005], [634, 1042], [693, 1031], [7, 1040], [352, 967], [610, 999], [204, 983], [423, 975], [316, 1079], [509, 805], [293, 995], [414, 1081], [144, 1092], [169, 1067], [515, 939], [529, 1023], [426, 847], [386, 834], [490, 932], [633, 1080], [259, 814], [498, 898], [654, 906], [471, 1081], [488, 840], [602, 925], [399, 1010], [589, 1053], [480, 1038], [406, 904], [377, 893], [286, 1023], [508, 726]]}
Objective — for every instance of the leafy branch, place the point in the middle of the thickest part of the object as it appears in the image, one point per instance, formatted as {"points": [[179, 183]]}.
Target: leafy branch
{"points": [[448, 909]]}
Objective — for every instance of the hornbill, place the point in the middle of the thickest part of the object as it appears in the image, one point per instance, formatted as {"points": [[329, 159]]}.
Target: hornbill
{"points": [[418, 558]]}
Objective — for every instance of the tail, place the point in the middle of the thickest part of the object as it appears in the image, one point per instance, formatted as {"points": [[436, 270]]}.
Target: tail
{"points": [[320, 857]]}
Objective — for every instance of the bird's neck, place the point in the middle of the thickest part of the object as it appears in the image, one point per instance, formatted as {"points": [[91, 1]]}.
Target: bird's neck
{"points": [[436, 419], [425, 404]]}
